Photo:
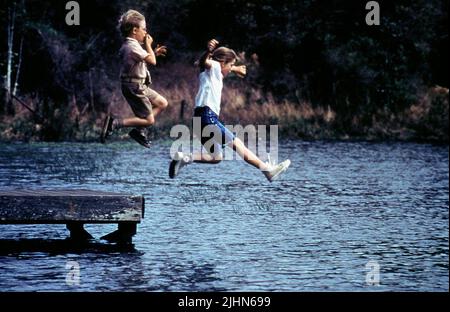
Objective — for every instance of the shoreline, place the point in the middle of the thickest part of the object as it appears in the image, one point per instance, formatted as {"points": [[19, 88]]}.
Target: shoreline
{"points": [[282, 138], [425, 121]]}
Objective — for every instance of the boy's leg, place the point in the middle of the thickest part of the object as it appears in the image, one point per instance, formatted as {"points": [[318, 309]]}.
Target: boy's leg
{"points": [[107, 128], [142, 99], [138, 122], [153, 104], [139, 97], [111, 124], [159, 104], [139, 136]]}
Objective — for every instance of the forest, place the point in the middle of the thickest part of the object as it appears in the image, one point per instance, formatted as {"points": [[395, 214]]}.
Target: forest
{"points": [[315, 68]]}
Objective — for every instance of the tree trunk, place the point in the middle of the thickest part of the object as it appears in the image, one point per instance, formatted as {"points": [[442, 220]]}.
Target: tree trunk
{"points": [[91, 92], [16, 83], [9, 60]]}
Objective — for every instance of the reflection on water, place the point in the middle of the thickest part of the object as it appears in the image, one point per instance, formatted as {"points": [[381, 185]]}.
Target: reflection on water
{"points": [[224, 227]]}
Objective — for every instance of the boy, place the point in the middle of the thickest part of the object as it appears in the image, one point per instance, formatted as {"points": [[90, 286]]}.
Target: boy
{"points": [[145, 102]]}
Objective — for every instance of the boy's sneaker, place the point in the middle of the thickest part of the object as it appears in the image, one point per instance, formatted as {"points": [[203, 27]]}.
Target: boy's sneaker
{"points": [[274, 171], [139, 137], [107, 128], [179, 161]]}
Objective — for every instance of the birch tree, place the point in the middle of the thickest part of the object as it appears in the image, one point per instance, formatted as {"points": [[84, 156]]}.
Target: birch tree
{"points": [[13, 60]]}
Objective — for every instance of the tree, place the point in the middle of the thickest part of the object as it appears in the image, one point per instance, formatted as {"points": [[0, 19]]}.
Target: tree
{"points": [[13, 59]]}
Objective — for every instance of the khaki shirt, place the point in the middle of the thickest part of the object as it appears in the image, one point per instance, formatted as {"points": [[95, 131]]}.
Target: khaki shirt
{"points": [[133, 64]]}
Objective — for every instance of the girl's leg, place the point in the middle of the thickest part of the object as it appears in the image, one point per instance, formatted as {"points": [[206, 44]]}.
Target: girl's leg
{"points": [[247, 154], [180, 160], [207, 158]]}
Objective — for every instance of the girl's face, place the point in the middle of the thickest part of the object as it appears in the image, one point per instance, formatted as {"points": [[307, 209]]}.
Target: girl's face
{"points": [[226, 67]]}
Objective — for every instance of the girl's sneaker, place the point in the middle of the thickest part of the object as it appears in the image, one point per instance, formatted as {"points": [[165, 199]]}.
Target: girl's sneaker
{"points": [[273, 172], [179, 161]]}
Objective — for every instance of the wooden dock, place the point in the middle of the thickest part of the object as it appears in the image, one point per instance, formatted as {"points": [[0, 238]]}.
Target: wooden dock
{"points": [[74, 208]]}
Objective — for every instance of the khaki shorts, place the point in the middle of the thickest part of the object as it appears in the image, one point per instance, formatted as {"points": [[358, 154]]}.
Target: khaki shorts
{"points": [[140, 98]]}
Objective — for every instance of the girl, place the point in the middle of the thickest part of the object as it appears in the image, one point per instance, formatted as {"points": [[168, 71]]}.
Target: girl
{"points": [[216, 64]]}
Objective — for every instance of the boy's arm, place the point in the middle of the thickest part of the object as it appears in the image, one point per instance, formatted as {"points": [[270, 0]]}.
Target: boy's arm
{"points": [[160, 50], [151, 58]]}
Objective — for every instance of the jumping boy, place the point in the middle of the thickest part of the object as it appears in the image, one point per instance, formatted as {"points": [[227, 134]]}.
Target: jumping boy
{"points": [[215, 64], [145, 102]]}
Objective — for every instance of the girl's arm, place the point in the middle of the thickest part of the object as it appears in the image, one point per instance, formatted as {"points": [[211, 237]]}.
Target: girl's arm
{"points": [[205, 60], [241, 70]]}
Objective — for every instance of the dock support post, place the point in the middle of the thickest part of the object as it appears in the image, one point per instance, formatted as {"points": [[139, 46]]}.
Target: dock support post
{"points": [[77, 231], [123, 235]]}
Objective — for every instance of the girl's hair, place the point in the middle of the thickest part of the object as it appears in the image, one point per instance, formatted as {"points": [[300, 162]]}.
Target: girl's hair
{"points": [[221, 54], [129, 20]]}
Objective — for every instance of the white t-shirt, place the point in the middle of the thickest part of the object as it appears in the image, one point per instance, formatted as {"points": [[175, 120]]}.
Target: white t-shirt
{"points": [[133, 55], [210, 88]]}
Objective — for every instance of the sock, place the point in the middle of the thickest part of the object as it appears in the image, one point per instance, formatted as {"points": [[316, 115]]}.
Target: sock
{"points": [[148, 131], [188, 158], [142, 130], [265, 168]]}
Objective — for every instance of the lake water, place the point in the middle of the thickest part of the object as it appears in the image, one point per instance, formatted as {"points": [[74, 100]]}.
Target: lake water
{"points": [[344, 217]]}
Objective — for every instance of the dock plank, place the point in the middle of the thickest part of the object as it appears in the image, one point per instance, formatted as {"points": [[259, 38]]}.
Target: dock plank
{"points": [[61, 206]]}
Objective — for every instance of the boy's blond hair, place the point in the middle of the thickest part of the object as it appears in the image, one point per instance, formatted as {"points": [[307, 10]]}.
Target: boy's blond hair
{"points": [[129, 20]]}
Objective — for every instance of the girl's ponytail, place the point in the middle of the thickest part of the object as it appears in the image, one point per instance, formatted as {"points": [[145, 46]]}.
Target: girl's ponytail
{"points": [[221, 54]]}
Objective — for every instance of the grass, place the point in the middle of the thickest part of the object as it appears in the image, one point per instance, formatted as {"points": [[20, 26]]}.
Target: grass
{"points": [[426, 120]]}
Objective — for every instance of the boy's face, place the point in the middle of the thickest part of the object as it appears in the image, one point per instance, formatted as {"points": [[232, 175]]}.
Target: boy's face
{"points": [[226, 67], [140, 32]]}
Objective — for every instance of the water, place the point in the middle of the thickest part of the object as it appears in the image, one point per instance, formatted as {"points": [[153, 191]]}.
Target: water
{"points": [[342, 213]]}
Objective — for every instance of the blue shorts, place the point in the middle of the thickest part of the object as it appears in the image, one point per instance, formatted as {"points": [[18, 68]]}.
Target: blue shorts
{"points": [[214, 135]]}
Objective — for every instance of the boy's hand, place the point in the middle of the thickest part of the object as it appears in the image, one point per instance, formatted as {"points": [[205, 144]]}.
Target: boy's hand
{"points": [[148, 40], [160, 50], [212, 44], [241, 70]]}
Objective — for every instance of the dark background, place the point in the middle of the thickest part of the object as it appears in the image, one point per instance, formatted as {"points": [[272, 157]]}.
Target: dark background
{"points": [[381, 82]]}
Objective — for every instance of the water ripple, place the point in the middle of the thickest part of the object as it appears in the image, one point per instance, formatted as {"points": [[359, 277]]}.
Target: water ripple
{"points": [[340, 207]]}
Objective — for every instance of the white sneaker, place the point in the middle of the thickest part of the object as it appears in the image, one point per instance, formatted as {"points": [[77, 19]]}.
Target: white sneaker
{"points": [[179, 160], [274, 171]]}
